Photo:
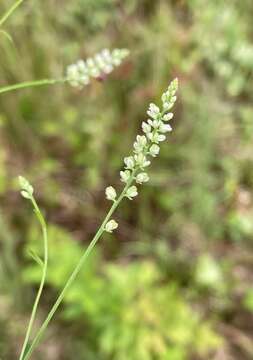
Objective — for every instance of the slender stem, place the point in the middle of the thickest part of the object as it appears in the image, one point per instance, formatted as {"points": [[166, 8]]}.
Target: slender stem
{"points": [[10, 11], [78, 267], [43, 278], [28, 84]]}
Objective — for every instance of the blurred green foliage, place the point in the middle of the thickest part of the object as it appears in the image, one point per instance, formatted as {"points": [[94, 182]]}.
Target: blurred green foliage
{"points": [[191, 228], [129, 308]]}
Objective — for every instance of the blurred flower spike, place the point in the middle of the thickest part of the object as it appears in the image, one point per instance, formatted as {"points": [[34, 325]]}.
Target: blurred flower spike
{"points": [[80, 73]]}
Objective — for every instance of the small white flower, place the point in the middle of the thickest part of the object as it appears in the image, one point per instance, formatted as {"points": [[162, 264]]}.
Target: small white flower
{"points": [[153, 111], [95, 72], [153, 137], [167, 105], [111, 225], [164, 128], [132, 192], [105, 54], [156, 124], [129, 161], [81, 66], [110, 193], [146, 127], [125, 175], [154, 150], [137, 148], [142, 177], [161, 138], [73, 75], [154, 108], [118, 55], [90, 63], [141, 160], [107, 69], [141, 142], [100, 60], [156, 138], [168, 117]]}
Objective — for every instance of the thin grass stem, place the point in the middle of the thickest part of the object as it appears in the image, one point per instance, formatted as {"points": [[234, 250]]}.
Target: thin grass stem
{"points": [[29, 84], [77, 269], [9, 12], [43, 278]]}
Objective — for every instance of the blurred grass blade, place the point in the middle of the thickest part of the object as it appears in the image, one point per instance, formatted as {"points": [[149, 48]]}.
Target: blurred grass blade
{"points": [[28, 84], [27, 187], [10, 11], [7, 36], [36, 258]]}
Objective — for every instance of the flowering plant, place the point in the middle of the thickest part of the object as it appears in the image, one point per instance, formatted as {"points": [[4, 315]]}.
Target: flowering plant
{"points": [[80, 73], [145, 147]]}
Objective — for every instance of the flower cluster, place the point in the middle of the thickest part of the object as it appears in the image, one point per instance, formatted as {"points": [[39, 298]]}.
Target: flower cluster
{"points": [[103, 63], [146, 146]]}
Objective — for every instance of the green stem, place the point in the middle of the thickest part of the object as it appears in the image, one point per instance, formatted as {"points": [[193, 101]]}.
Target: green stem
{"points": [[78, 268], [43, 278], [10, 11], [28, 84]]}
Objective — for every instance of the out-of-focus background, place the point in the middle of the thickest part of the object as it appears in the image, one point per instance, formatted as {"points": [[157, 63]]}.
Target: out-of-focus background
{"points": [[174, 282]]}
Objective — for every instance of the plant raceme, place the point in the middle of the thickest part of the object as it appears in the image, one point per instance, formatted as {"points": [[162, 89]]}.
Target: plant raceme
{"points": [[80, 73], [145, 147], [103, 63]]}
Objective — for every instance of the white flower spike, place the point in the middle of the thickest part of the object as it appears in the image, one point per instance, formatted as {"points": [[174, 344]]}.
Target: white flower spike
{"points": [[146, 145], [80, 74]]}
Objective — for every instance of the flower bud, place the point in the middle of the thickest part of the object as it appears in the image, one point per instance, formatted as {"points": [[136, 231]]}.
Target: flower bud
{"points": [[146, 128], [125, 175], [156, 138], [129, 161], [110, 193], [153, 111], [132, 192], [26, 187], [154, 150], [164, 128], [140, 143], [111, 225], [141, 160], [168, 117], [142, 177]]}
